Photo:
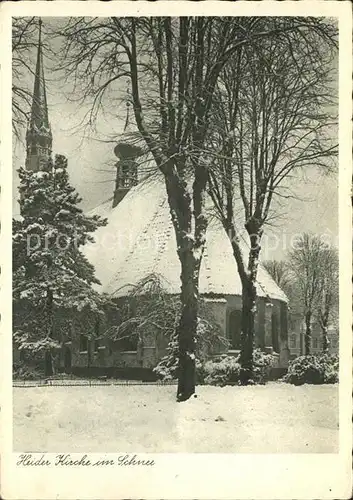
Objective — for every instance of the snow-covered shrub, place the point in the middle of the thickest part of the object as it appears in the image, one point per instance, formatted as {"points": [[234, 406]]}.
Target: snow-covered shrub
{"points": [[155, 307], [226, 369], [313, 369], [262, 365], [200, 371], [167, 368], [330, 362], [222, 372]]}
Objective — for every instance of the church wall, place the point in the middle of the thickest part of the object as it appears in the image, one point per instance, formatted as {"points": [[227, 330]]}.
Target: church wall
{"points": [[263, 320], [107, 356], [147, 354], [260, 324], [113, 354], [218, 309]]}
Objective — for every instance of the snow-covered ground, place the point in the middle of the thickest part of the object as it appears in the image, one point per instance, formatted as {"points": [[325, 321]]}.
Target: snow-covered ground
{"points": [[258, 419]]}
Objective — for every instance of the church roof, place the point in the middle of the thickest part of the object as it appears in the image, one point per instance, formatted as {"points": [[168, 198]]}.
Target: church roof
{"points": [[139, 240]]}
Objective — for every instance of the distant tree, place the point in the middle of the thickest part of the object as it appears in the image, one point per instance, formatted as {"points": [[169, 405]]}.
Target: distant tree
{"points": [[173, 66], [314, 270], [329, 292], [50, 272], [278, 270], [272, 116]]}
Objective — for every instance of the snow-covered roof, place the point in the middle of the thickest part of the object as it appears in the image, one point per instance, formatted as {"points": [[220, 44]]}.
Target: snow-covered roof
{"points": [[139, 240]]}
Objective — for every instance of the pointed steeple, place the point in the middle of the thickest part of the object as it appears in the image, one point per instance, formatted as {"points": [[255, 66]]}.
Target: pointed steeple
{"points": [[39, 137]]}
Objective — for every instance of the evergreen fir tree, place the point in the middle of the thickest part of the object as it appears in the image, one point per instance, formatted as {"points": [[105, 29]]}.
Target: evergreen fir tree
{"points": [[50, 272]]}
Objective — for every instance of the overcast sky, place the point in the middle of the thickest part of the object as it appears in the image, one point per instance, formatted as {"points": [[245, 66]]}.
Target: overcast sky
{"points": [[314, 207]]}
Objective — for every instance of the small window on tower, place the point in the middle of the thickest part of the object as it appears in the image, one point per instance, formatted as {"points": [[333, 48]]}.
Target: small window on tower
{"points": [[125, 175]]}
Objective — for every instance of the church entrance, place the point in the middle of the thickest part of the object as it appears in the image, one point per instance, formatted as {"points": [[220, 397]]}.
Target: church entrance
{"points": [[234, 329]]}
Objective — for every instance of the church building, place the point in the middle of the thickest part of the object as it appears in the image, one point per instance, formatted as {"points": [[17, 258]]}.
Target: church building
{"points": [[139, 241]]}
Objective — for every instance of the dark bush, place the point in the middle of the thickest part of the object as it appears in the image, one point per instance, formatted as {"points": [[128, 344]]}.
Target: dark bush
{"points": [[23, 371], [313, 369]]}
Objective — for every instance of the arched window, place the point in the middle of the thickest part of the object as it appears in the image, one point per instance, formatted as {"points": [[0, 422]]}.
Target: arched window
{"points": [[83, 343], [275, 331], [234, 329]]}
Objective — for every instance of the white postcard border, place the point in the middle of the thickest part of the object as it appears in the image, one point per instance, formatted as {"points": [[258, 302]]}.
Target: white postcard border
{"points": [[182, 476]]}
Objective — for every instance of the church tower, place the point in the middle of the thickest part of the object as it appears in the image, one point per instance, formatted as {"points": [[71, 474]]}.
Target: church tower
{"points": [[128, 154], [126, 170], [39, 137]]}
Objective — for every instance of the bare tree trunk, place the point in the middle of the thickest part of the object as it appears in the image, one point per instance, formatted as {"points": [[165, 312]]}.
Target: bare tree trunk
{"points": [[324, 329], [301, 339], [187, 326], [187, 210], [307, 335], [180, 207], [247, 334], [325, 340], [249, 294], [323, 320], [190, 243]]}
